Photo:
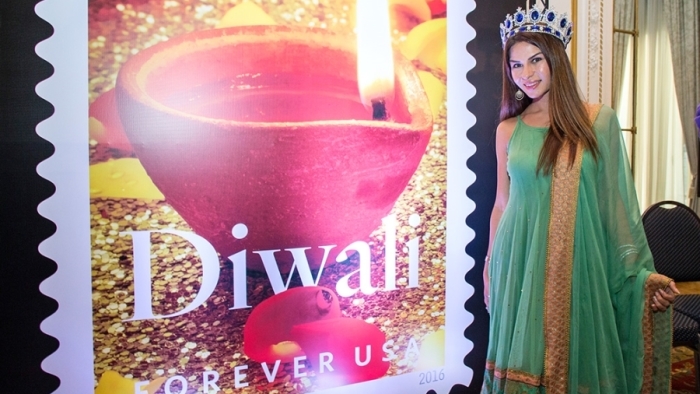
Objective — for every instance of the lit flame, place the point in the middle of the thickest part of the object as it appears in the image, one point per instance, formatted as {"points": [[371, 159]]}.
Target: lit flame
{"points": [[375, 59]]}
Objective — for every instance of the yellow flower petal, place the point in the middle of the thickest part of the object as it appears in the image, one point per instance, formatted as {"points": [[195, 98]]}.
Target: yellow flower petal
{"points": [[427, 42], [122, 178], [245, 14], [435, 90], [154, 385], [432, 351], [96, 129], [112, 383], [439, 61]]}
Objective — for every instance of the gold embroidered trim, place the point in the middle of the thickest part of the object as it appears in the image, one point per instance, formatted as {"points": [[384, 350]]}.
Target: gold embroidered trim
{"points": [[514, 375], [648, 335], [522, 377], [653, 283], [560, 254], [558, 266]]}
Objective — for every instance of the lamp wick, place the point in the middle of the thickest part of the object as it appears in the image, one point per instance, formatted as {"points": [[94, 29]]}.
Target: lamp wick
{"points": [[379, 109]]}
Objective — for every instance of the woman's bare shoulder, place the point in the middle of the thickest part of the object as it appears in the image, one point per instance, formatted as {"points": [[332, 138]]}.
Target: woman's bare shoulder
{"points": [[505, 129], [508, 124]]}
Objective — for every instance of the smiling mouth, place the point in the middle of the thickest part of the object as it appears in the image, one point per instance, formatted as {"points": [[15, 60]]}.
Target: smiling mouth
{"points": [[530, 86]]}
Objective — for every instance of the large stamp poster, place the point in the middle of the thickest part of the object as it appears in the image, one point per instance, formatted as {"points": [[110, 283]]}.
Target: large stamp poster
{"points": [[267, 196]]}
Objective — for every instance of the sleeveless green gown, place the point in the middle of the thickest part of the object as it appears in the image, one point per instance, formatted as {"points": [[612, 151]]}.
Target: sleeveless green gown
{"points": [[611, 263]]}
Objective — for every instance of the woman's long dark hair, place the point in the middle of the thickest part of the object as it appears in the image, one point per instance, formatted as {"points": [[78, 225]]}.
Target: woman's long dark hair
{"points": [[568, 118]]}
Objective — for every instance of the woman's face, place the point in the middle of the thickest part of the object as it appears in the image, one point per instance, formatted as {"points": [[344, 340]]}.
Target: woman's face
{"points": [[530, 70]]}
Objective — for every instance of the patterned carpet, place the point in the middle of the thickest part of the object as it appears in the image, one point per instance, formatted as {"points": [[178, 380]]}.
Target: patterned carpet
{"points": [[682, 366], [683, 371]]}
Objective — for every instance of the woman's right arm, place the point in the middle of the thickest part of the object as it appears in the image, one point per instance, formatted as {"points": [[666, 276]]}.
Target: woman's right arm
{"points": [[503, 134]]}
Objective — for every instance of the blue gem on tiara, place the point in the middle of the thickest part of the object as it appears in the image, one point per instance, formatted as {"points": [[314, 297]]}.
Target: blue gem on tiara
{"points": [[537, 19]]}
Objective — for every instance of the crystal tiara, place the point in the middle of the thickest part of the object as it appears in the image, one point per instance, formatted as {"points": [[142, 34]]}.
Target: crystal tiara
{"points": [[537, 20]]}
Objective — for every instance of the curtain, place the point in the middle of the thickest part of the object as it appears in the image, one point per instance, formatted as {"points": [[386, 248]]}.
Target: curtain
{"points": [[661, 167], [682, 19]]}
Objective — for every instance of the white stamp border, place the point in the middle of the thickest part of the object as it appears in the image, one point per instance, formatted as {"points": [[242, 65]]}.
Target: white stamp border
{"points": [[67, 169]]}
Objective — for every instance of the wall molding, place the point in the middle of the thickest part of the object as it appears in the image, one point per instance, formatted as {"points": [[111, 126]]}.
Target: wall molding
{"points": [[594, 52]]}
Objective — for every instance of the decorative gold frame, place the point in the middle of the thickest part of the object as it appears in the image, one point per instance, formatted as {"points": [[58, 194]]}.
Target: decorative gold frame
{"points": [[635, 56], [574, 43]]}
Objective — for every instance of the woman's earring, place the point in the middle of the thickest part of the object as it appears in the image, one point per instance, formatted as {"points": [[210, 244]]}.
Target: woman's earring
{"points": [[519, 95]]}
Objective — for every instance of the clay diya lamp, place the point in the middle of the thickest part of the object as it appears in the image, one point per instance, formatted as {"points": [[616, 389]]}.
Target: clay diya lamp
{"points": [[264, 126], [267, 332]]}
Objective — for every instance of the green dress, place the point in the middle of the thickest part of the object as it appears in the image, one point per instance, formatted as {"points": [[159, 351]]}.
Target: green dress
{"points": [[610, 270]]}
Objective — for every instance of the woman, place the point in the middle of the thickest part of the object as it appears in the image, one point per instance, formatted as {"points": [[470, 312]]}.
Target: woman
{"points": [[570, 280]]}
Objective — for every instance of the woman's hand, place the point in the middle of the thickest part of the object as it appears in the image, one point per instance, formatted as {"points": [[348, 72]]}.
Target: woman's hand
{"points": [[663, 298]]}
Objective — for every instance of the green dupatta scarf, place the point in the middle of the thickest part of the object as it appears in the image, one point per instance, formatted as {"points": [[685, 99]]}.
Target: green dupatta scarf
{"points": [[645, 336]]}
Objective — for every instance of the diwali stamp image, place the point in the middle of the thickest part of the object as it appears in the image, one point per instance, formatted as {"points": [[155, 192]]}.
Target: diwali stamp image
{"points": [[265, 198]]}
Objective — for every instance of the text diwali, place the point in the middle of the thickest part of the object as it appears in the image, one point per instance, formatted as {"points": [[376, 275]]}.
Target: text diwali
{"points": [[143, 309]]}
